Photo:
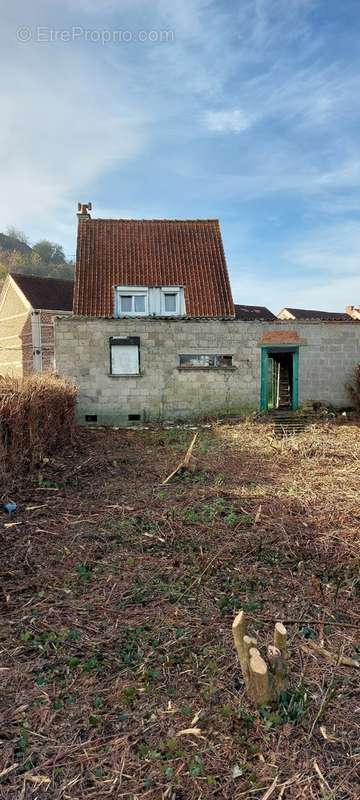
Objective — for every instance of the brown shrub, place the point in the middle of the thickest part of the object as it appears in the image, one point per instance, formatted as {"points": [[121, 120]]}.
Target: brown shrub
{"points": [[37, 416], [354, 391]]}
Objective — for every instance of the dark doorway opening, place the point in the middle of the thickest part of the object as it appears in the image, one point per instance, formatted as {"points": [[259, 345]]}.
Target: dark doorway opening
{"points": [[280, 381], [279, 378]]}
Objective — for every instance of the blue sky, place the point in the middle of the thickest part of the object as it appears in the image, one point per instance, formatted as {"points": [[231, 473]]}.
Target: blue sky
{"points": [[247, 111]]}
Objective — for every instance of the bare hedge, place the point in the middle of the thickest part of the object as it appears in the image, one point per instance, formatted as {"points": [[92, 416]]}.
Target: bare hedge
{"points": [[354, 391], [37, 416]]}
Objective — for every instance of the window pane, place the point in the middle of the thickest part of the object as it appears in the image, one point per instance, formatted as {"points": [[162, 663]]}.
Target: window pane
{"points": [[194, 361], [224, 361], [126, 303], [139, 303], [124, 359], [170, 303], [205, 361]]}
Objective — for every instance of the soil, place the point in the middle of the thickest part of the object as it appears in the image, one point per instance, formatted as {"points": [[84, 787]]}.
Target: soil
{"points": [[119, 676]]}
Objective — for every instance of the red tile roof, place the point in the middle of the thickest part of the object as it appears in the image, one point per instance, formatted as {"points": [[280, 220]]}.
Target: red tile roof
{"points": [[121, 252], [49, 294]]}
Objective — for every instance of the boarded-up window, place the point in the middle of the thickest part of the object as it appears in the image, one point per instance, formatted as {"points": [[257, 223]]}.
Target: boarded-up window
{"points": [[124, 355]]}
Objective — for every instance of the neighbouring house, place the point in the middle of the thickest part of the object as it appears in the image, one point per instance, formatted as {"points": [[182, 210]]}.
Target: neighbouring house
{"points": [[308, 314], [353, 312], [28, 305], [155, 332]]}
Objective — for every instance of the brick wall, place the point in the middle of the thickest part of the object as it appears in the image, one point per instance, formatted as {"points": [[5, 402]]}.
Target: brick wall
{"points": [[328, 355]]}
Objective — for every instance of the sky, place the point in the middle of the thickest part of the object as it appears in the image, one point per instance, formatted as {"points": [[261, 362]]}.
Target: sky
{"points": [[245, 111]]}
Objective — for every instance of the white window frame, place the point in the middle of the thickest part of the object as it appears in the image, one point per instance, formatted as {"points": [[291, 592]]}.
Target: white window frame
{"points": [[170, 290], [133, 291]]}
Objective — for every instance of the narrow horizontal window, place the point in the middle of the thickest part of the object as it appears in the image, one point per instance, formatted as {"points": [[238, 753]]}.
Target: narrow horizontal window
{"points": [[203, 361], [124, 355]]}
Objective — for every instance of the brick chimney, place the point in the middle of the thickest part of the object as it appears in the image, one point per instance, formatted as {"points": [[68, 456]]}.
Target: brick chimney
{"points": [[83, 211], [353, 312]]}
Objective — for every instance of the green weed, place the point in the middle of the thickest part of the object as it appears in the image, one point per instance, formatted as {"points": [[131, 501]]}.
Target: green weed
{"points": [[291, 707]]}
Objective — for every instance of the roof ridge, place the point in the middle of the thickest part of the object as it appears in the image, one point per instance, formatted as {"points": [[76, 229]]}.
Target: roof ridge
{"points": [[143, 219], [15, 275]]}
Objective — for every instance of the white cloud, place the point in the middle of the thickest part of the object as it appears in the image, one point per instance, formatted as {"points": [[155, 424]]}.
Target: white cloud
{"points": [[264, 24], [231, 121], [62, 127], [72, 113]]}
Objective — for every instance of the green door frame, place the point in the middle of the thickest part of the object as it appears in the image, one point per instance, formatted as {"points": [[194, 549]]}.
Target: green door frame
{"points": [[265, 374]]}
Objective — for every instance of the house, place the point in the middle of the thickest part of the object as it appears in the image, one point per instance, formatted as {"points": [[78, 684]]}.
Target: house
{"points": [[155, 332], [28, 305], [353, 312], [306, 314], [168, 268]]}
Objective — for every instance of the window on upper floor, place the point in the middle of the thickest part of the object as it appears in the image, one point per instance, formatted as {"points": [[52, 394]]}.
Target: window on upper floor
{"points": [[171, 302], [157, 301], [132, 302]]}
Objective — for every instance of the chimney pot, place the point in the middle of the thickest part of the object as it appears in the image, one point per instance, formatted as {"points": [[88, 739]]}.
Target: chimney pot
{"points": [[83, 211]]}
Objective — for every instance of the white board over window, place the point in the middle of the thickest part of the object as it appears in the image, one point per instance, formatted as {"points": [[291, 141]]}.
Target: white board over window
{"points": [[124, 359]]}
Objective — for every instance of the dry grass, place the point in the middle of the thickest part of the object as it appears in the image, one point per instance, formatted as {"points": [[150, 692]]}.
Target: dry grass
{"points": [[36, 417], [118, 599]]}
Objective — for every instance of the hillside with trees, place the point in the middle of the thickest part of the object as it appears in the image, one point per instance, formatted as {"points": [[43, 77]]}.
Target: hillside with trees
{"points": [[44, 258]]}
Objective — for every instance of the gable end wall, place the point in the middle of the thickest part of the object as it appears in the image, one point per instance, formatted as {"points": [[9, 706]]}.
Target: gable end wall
{"points": [[14, 324]]}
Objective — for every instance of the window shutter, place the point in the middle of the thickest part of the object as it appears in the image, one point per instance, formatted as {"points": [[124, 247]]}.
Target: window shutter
{"points": [[124, 355]]}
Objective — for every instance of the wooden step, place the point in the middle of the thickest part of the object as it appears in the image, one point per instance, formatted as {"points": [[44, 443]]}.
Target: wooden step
{"points": [[286, 423]]}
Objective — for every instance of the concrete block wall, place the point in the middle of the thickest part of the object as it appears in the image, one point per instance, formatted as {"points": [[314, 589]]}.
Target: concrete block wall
{"points": [[162, 390], [329, 353], [327, 360]]}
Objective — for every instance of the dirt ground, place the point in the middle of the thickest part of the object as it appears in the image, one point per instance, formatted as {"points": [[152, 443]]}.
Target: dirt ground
{"points": [[118, 672]]}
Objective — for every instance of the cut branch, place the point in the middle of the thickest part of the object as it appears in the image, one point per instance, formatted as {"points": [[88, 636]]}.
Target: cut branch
{"points": [[259, 679], [280, 638], [184, 463]]}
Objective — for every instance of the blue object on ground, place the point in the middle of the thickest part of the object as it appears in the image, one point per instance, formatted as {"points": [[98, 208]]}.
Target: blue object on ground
{"points": [[9, 507]]}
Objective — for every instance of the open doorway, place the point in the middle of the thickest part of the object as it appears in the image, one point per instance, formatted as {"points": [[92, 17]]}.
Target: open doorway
{"points": [[279, 379]]}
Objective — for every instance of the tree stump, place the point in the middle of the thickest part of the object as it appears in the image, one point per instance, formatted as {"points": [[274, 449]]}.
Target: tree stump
{"points": [[264, 681]]}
